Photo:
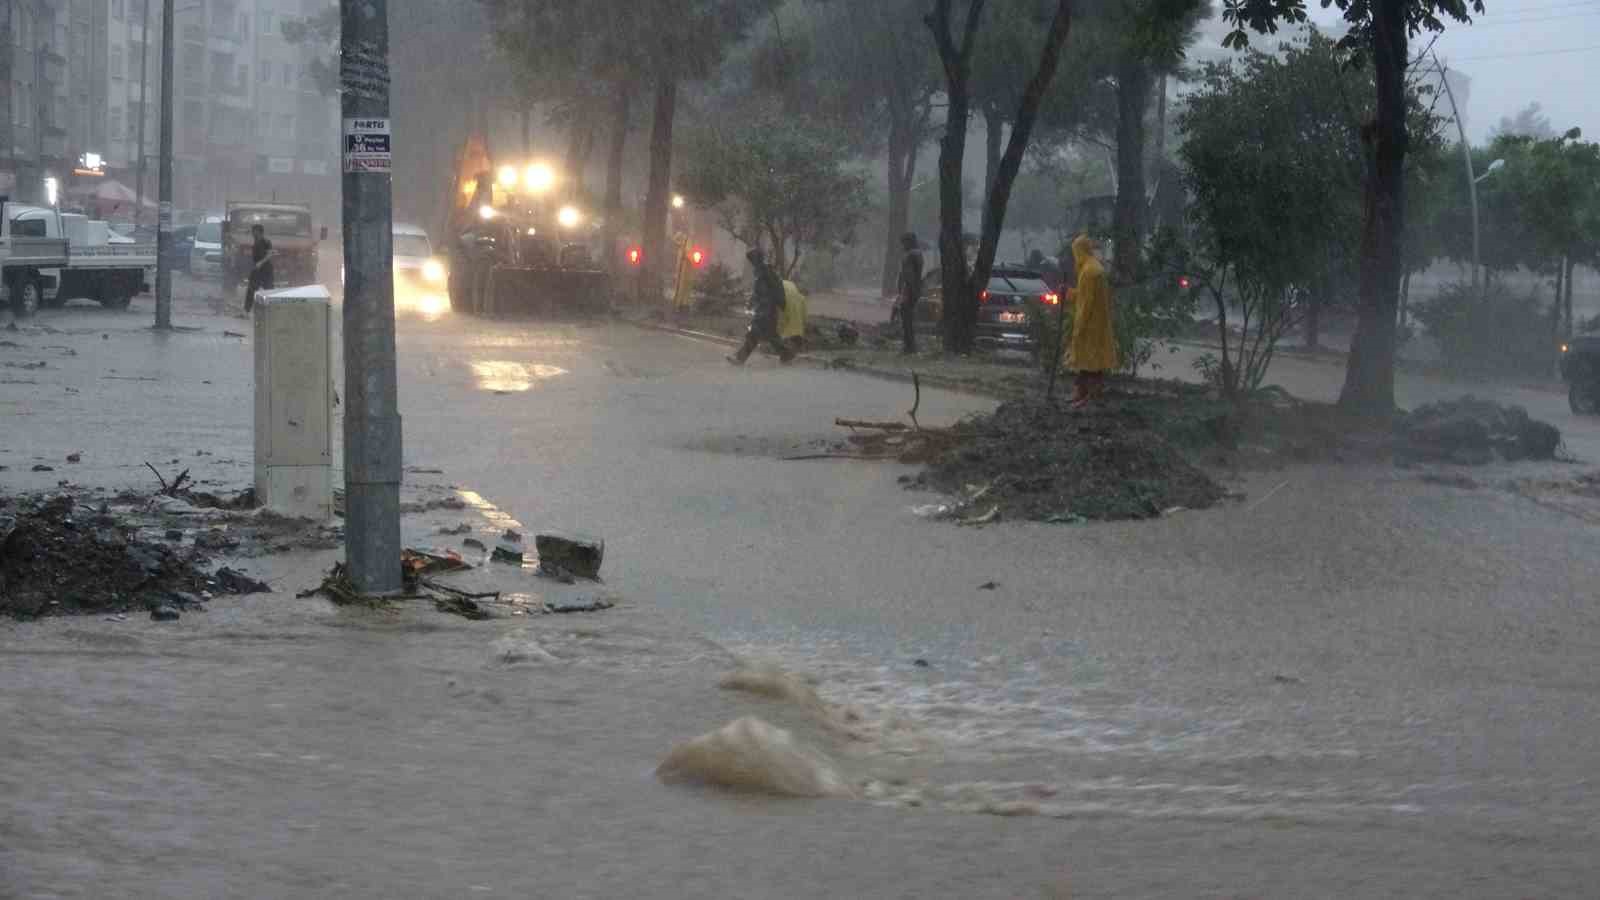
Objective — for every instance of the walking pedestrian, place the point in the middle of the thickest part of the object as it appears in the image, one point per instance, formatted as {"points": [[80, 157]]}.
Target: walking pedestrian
{"points": [[910, 291], [767, 299], [1093, 350], [261, 277]]}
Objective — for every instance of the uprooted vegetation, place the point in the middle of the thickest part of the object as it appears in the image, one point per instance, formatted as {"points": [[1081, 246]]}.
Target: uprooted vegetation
{"points": [[1151, 448]]}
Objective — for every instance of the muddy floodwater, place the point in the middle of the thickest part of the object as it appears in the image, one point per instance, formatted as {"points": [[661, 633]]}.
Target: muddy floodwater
{"points": [[1354, 683]]}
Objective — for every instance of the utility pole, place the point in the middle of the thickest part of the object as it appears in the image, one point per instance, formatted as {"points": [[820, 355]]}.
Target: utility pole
{"points": [[164, 236], [7, 139], [144, 108], [372, 414]]}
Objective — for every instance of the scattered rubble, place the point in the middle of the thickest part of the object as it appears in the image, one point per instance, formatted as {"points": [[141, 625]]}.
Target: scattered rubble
{"points": [[579, 555]]}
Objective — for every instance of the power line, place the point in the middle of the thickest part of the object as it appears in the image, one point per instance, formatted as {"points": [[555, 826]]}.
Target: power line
{"points": [[1564, 50], [1478, 23]]}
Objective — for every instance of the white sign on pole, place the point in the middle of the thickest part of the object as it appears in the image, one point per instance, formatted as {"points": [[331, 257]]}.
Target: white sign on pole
{"points": [[368, 146]]}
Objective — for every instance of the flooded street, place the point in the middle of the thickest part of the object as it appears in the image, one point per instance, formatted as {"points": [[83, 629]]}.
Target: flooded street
{"points": [[1350, 684]]}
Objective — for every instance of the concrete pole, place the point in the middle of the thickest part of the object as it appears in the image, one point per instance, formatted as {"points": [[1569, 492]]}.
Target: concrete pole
{"points": [[144, 108], [164, 237], [372, 415]]}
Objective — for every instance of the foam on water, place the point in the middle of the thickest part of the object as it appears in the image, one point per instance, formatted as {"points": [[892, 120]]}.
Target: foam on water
{"points": [[749, 754]]}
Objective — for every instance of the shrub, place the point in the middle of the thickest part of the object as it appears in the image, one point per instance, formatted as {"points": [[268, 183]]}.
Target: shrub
{"points": [[718, 290], [1498, 333]]}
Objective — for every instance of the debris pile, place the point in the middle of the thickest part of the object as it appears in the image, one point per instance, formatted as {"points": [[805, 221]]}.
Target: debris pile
{"points": [[60, 557], [1474, 432], [1048, 463]]}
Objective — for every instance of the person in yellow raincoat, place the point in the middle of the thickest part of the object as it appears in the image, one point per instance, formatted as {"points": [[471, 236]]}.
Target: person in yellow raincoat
{"points": [[1092, 352], [792, 320]]}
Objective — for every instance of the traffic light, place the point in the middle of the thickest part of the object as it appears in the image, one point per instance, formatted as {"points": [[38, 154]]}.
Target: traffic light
{"points": [[635, 256], [697, 257], [1184, 282]]}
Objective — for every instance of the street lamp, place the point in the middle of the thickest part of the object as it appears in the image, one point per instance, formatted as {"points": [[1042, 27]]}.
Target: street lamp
{"points": [[1479, 284]]}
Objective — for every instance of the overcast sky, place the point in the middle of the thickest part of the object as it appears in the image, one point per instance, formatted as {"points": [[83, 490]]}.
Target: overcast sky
{"points": [[1518, 52]]}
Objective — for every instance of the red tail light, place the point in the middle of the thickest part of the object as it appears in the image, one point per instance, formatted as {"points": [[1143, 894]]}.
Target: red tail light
{"points": [[1051, 299], [1184, 282], [983, 296], [635, 256], [697, 257]]}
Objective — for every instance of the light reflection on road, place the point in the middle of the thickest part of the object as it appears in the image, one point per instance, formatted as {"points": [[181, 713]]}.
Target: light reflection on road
{"points": [[507, 376]]}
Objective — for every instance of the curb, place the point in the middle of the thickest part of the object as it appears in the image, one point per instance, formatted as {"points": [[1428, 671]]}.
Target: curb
{"points": [[818, 362]]}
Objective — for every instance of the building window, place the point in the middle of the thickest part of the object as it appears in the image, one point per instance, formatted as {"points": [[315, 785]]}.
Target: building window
{"points": [[266, 21], [135, 56], [115, 63], [286, 127], [265, 72], [288, 75], [115, 125], [266, 124], [116, 10]]}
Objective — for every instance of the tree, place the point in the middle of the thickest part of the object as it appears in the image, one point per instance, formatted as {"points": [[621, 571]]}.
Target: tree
{"points": [[960, 292], [777, 181], [320, 30], [1133, 45], [1381, 29], [1530, 121]]}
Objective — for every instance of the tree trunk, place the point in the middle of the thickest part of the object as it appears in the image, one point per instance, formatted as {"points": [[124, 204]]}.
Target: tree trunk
{"points": [[1369, 375], [960, 300], [994, 134], [621, 108], [902, 166], [1314, 322], [1127, 229], [1021, 133], [657, 198], [1572, 266], [580, 140], [1557, 304]]}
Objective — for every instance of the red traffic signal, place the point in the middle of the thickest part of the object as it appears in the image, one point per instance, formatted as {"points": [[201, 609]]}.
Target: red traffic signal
{"points": [[697, 257], [635, 256], [1184, 282]]}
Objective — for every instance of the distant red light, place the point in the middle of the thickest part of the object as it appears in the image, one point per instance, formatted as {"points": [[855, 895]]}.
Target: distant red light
{"points": [[983, 296], [1184, 282], [697, 257], [635, 256], [1051, 299]]}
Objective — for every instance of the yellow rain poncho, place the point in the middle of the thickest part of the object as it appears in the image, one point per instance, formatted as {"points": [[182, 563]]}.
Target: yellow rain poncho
{"points": [[1094, 343], [792, 320]]}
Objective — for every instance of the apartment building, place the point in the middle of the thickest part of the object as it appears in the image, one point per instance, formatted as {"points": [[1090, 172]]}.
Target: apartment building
{"points": [[249, 121]]}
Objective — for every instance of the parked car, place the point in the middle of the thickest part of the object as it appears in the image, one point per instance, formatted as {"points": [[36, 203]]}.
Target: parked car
{"points": [[1580, 367], [1010, 309], [205, 249]]}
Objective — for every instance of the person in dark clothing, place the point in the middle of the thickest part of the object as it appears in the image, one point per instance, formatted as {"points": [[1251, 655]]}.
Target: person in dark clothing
{"points": [[767, 300], [261, 277], [910, 291]]}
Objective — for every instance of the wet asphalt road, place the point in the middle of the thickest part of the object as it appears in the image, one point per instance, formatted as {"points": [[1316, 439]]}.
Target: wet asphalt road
{"points": [[1352, 684]]}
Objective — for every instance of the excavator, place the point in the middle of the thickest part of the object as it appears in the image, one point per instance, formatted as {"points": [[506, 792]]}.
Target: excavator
{"points": [[518, 242]]}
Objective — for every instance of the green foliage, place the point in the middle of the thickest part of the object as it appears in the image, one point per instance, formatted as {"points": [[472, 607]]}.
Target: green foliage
{"points": [[718, 290], [321, 31], [1263, 16], [777, 181], [1499, 333]]}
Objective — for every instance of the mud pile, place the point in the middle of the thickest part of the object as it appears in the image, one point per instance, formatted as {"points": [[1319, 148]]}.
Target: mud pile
{"points": [[58, 557], [1049, 463]]}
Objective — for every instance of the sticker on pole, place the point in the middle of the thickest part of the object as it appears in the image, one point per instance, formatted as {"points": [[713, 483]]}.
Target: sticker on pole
{"points": [[368, 146]]}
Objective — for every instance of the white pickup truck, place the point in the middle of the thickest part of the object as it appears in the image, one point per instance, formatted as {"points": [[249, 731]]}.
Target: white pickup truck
{"points": [[49, 257]]}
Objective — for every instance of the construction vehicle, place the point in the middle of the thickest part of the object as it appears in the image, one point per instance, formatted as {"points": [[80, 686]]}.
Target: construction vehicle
{"points": [[518, 242], [48, 257]]}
